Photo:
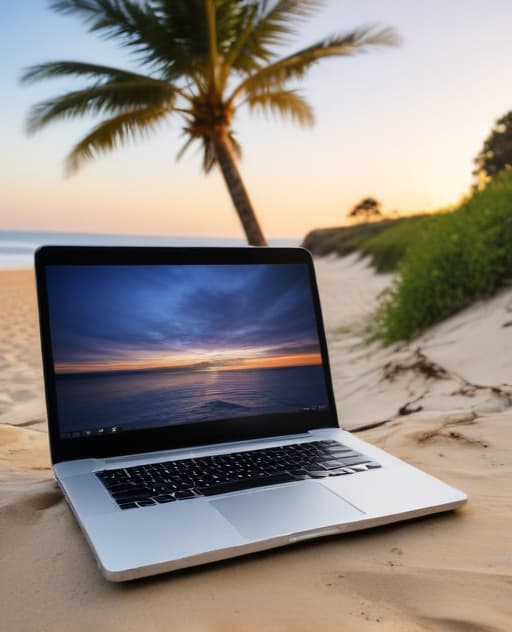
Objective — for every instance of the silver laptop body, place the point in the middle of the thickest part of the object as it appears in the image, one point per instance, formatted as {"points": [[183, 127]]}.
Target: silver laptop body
{"points": [[191, 413]]}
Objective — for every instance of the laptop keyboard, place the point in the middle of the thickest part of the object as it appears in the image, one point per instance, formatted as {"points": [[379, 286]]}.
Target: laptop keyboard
{"points": [[159, 483]]}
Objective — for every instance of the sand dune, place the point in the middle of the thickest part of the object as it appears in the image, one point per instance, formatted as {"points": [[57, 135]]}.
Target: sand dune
{"points": [[464, 363], [451, 572]]}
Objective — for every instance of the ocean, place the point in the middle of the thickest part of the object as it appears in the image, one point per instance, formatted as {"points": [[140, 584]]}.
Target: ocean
{"points": [[121, 401], [17, 247]]}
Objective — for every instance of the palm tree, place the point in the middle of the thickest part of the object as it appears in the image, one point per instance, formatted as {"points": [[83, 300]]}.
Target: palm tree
{"points": [[203, 59]]}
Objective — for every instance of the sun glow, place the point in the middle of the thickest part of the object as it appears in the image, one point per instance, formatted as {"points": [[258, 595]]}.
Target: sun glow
{"points": [[224, 360], [299, 359]]}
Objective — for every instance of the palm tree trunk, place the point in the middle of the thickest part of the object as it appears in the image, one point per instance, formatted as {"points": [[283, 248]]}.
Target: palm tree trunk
{"points": [[237, 191]]}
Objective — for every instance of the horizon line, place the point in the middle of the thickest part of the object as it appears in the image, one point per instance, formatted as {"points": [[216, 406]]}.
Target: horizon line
{"points": [[279, 362]]}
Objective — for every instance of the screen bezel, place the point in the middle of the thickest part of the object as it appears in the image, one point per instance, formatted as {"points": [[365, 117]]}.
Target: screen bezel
{"points": [[185, 435]]}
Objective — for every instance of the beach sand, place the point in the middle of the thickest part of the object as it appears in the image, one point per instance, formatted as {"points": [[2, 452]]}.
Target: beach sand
{"points": [[447, 572]]}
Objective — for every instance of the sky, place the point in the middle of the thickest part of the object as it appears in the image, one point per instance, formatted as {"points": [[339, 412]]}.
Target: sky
{"points": [[192, 317], [400, 124]]}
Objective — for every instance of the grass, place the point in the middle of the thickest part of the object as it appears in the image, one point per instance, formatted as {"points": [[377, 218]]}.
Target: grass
{"points": [[343, 240], [385, 242], [453, 259], [387, 249]]}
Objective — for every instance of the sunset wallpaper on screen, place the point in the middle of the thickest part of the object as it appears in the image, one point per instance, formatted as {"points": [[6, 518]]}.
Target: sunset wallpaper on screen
{"points": [[138, 346]]}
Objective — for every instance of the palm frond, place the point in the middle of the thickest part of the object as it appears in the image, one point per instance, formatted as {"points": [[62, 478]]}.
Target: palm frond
{"points": [[113, 132], [285, 103], [209, 157], [140, 26], [110, 98], [231, 18], [271, 28], [237, 148], [243, 31], [189, 22], [212, 42], [184, 147], [296, 65], [56, 69]]}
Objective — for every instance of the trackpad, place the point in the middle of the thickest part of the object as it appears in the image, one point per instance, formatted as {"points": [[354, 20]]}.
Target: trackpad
{"points": [[293, 508]]}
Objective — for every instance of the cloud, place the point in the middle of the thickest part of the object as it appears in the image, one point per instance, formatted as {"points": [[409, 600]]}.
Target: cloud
{"points": [[119, 312]]}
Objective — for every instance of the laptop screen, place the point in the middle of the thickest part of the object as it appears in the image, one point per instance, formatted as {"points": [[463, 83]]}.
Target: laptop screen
{"points": [[152, 346]]}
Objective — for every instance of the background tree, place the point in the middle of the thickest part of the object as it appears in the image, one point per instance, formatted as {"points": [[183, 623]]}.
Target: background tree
{"points": [[202, 60], [367, 209], [496, 153]]}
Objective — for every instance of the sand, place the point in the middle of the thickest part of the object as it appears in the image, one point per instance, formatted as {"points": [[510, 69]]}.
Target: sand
{"points": [[447, 572], [461, 364]]}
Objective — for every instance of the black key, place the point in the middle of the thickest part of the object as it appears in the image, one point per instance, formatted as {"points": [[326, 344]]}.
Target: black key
{"points": [[185, 493], [146, 503], [107, 473], [318, 473], [355, 460], [372, 465], [114, 488], [332, 465], [339, 472], [235, 486], [165, 498], [159, 487], [109, 482], [128, 506], [299, 472], [130, 499], [340, 454], [141, 492]]}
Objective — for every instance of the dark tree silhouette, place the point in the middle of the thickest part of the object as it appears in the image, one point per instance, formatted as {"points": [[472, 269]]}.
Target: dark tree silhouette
{"points": [[496, 153], [367, 209]]}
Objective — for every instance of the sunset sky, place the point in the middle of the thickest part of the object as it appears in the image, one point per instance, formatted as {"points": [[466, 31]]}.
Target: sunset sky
{"points": [[198, 318], [401, 124]]}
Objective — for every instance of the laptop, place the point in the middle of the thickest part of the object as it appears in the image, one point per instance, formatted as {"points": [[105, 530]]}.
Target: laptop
{"points": [[191, 412]]}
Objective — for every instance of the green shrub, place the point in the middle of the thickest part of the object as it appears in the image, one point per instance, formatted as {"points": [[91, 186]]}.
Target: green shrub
{"points": [[385, 242], [343, 240], [353, 237], [387, 248], [461, 255]]}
